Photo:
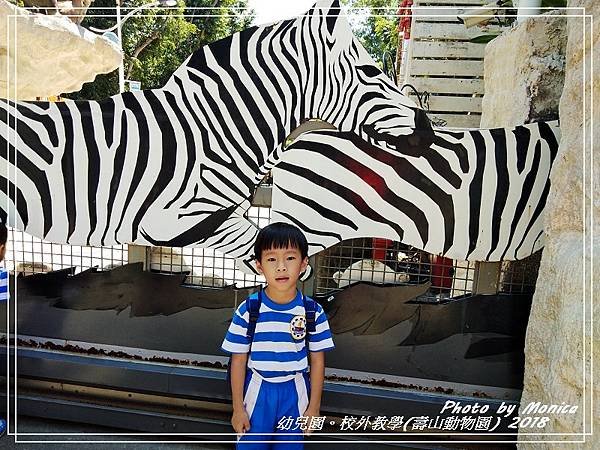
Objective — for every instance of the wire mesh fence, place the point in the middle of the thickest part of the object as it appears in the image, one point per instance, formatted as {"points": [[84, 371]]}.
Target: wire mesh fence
{"points": [[377, 261], [207, 267], [519, 276], [382, 261], [27, 255]]}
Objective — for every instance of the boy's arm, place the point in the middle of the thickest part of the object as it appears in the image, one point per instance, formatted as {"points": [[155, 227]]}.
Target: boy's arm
{"points": [[319, 341], [317, 375], [239, 419]]}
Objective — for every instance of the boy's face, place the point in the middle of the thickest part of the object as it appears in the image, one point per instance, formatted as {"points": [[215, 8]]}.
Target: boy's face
{"points": [[282, 267], [2, 251]]}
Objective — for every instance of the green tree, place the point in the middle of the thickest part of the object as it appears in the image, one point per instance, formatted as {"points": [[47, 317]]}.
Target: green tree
{"points": [[157, 41], [375, 24]]}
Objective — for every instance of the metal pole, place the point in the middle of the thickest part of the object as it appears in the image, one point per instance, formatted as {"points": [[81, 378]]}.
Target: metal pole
{"points": [[119, 25], [528, 8], [120, 36]]}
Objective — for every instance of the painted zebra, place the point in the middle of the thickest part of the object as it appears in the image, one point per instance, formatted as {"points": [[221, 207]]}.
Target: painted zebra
{"points": [[474, 195], [178, 166]]}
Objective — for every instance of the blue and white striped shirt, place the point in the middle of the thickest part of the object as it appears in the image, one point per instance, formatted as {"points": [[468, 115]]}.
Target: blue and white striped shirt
{"points": [[275, 354], [3, 284]]}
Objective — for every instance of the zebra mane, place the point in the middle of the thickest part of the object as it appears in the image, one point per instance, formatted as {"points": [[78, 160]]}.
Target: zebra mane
{"points": [[328, 10]]}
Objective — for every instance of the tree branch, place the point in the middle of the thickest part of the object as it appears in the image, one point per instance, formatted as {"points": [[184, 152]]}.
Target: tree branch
{"points": [[154, 36]]}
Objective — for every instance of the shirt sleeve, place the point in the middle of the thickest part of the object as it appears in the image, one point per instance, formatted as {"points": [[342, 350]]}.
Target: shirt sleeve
{"points": [[236, 340], [3, 285], [320, 340]]}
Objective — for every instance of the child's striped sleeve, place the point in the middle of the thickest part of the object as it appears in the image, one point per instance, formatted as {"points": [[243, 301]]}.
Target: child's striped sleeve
{"points": [[3, 285], [236, 340], [320, 340]]}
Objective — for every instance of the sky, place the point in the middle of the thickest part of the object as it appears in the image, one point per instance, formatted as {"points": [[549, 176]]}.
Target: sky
{"points": [[268, 11]]}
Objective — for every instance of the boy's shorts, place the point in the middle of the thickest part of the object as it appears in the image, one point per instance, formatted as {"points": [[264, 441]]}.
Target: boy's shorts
{"points": [[267, 404]]}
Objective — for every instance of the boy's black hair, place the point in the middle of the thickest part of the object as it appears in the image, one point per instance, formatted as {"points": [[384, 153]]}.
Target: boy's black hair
{"points": [[280, 235], [3, 234]]}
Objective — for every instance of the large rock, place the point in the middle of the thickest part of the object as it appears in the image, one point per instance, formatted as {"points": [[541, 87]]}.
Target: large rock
{"points": [[526, 62], [524, 72], [523, 83], [559, 336], [53, 55]]}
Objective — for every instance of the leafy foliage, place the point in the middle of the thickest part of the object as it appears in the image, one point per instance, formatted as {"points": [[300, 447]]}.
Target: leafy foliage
{"points": [[376, 27], [484, 38], [156, 41]]}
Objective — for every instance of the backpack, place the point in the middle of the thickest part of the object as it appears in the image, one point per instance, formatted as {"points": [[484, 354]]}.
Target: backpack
{"points": [[253, 305]]}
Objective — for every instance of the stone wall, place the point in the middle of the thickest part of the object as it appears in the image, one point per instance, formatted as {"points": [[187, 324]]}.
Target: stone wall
{"points": [[557, 349], [524, 73]]}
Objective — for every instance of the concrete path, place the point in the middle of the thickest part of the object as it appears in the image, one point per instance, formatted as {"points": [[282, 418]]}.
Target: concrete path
{"points": [[36, 425]]}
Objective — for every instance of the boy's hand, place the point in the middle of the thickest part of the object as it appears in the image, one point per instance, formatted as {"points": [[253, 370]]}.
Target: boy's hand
{"points": [[310, 413], [239, 418], [240, 421]]}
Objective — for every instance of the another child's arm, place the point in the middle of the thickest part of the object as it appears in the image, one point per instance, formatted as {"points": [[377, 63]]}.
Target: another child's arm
{"points": [[239, 419], [317, 375]]}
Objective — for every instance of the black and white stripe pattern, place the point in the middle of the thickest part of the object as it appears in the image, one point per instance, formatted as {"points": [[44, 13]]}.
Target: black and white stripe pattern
{"points": [[474, 195], [178, 166]]}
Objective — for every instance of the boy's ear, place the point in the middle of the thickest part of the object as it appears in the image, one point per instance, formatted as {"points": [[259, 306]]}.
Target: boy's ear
{"points": [[258, 267], [304, 264], [306, 273]]}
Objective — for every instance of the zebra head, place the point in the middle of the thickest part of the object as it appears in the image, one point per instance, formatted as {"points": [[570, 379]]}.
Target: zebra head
{"points": [[350, 90], [277, 76]]}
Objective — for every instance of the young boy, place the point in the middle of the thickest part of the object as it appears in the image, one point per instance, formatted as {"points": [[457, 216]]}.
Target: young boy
{"points": [[270, 380]]}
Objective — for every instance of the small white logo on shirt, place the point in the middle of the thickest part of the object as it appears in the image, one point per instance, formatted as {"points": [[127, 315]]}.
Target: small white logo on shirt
{"points": [[298, 327]]}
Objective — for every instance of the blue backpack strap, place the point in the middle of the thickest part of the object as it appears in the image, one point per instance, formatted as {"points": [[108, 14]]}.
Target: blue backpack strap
{"points": [[310, 308], [253, 305]]}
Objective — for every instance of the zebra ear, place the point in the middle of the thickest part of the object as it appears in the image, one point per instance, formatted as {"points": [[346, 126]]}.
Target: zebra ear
{"points": [[328, 5], [332, 15], [329, 8]]}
